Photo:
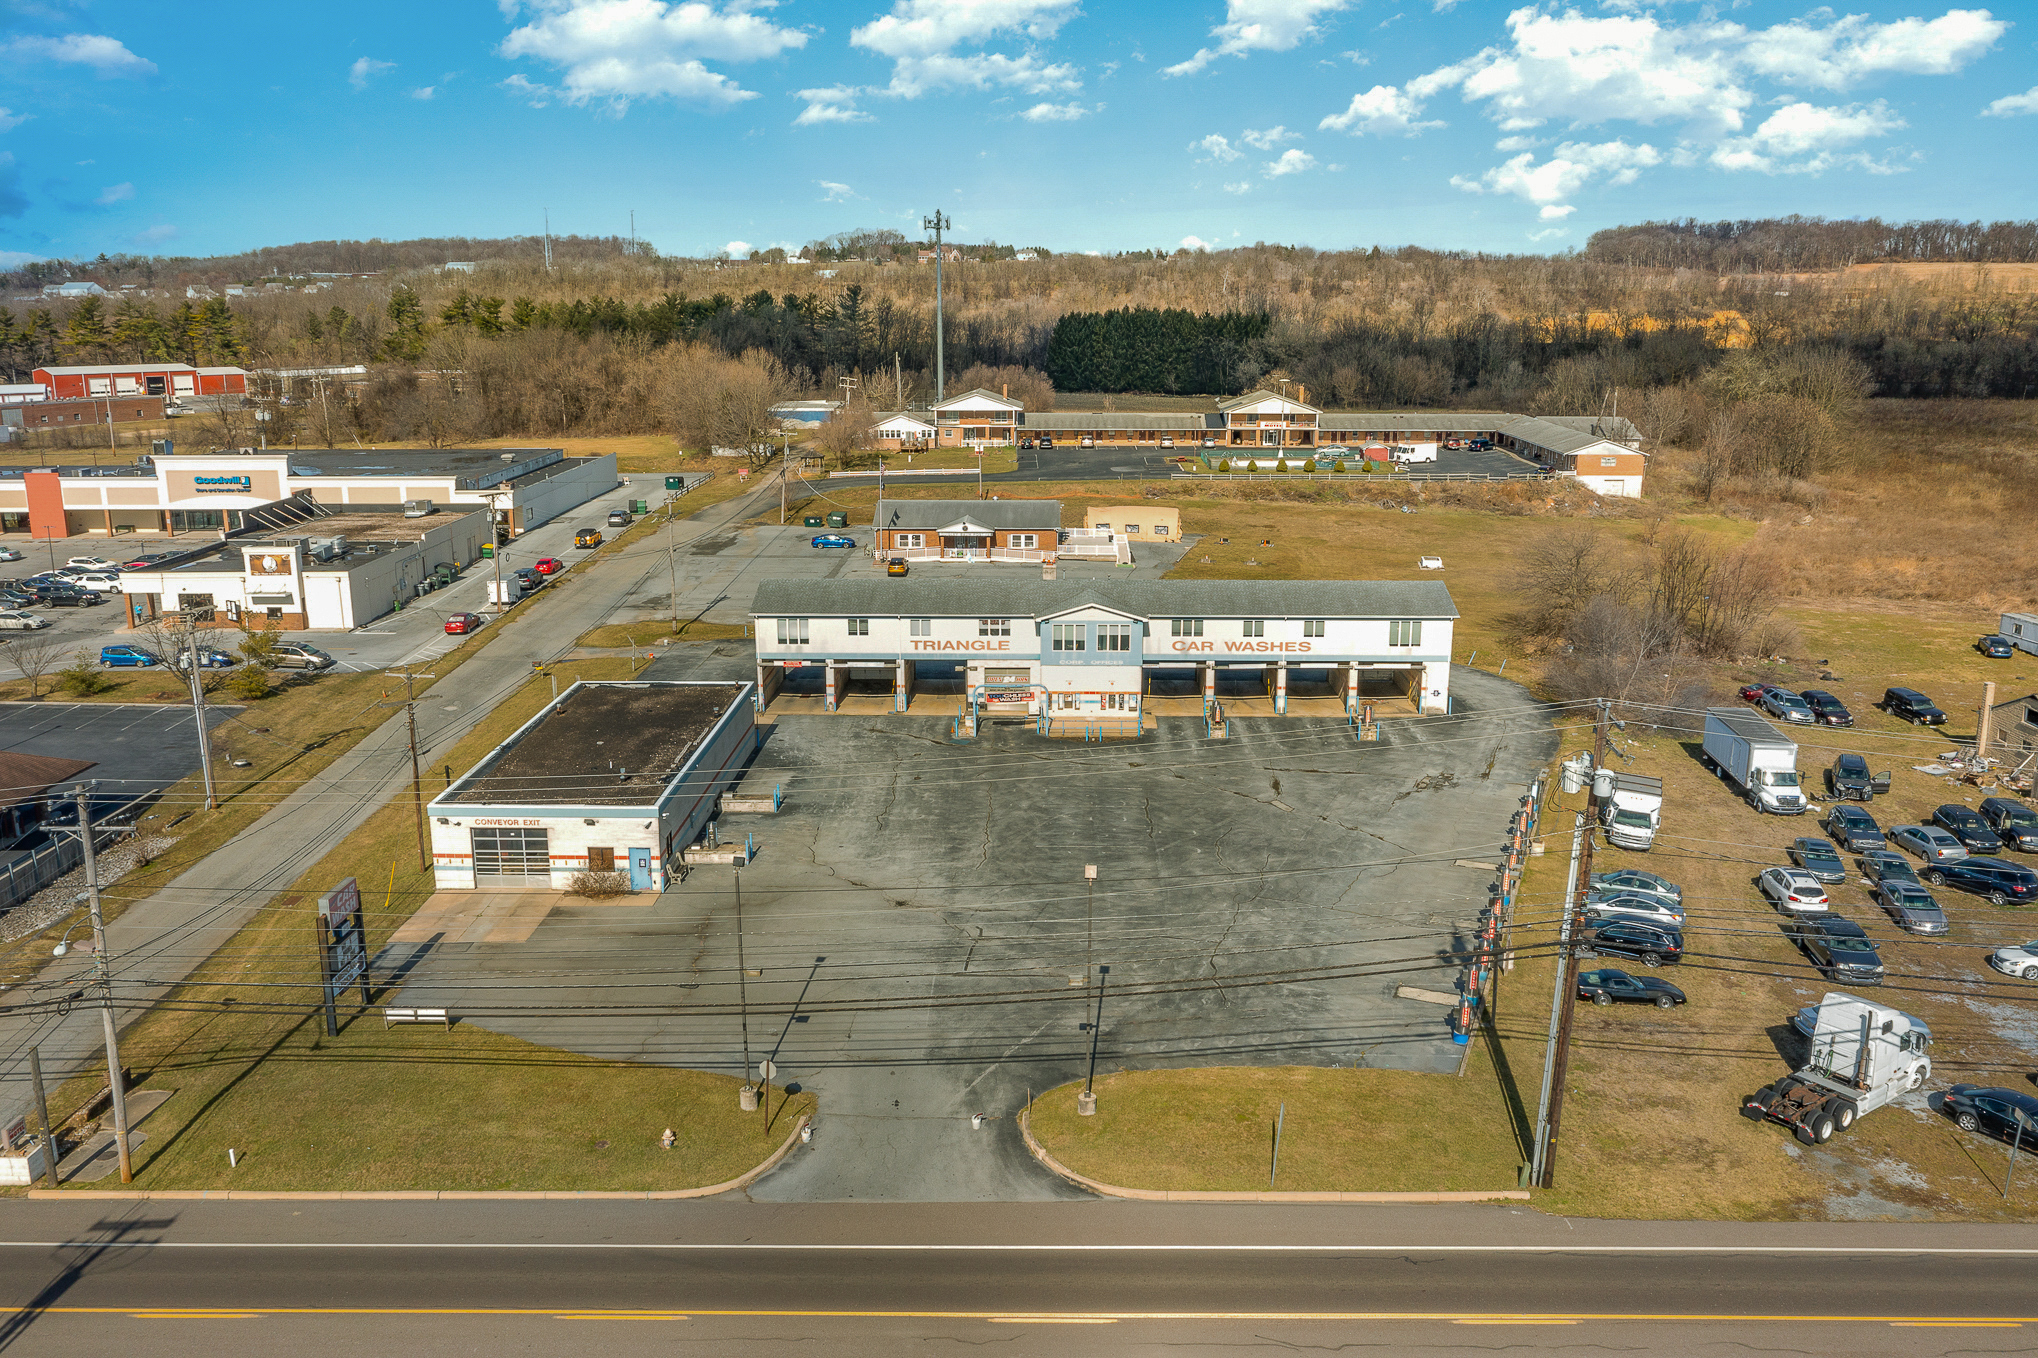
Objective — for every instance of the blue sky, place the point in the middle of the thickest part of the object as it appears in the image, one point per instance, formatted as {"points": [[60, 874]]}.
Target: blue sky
{"points": [[1074, 124]]}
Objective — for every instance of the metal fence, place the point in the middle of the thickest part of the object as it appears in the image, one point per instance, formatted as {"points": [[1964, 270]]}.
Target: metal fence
{"points": [[1363, 478], [25, 873]]}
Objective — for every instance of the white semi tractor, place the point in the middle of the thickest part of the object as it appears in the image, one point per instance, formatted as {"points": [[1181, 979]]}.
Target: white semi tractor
{"points": [[1756, 758], [1863, 1056], [1630, 807]]}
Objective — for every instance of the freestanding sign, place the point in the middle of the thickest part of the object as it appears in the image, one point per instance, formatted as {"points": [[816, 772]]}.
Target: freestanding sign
{"points": [[342, 948]]}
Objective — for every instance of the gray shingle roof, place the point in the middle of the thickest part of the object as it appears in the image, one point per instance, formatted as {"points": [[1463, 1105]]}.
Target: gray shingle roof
{"points": [[1076, 422], [926, 515], [1417, 422], [1029, 596]]}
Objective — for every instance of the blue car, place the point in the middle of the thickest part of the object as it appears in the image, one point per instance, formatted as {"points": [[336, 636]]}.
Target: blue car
{"points": [[834, 540], [128, 657]]}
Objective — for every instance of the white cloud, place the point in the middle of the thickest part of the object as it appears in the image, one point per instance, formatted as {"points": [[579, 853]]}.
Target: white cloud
{"points": [[9, 119], [108, 56], [156, 235], [14, 259], [921, 38], [1843, 51], [1260, 26], [1217, 148], [1056, 113], [1382, 110], [1194, 243], [2009, 106], [831, 104], [536, 95], [1292, 161], [618, 51], [833, 192], [366, 68], [738, 249], [1803, 138], [1269, 139], [1443, 6], [1556, 213], [1570, 167], [424, 92], [1242, 186], [117, 193]]}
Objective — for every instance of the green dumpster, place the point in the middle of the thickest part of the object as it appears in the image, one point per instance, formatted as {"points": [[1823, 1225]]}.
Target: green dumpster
{"points": [[675, 483], [813, 521], [640, 506], [488, 549], [838, 519]]}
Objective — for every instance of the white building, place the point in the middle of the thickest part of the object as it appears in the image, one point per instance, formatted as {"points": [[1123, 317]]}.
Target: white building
{"points": [[1033, 645], [610, 777]]}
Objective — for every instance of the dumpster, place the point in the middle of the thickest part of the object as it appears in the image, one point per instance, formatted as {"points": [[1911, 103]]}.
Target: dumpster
{"points": [[675, 483], [640, 506], [838, 519], [813, 521], [487, 549]]}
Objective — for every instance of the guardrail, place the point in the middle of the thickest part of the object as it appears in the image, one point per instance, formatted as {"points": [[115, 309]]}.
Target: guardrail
{"points": [[1363, 478]]}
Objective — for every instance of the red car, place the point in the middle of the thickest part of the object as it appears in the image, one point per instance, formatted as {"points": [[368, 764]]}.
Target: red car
{"points": [[548, 565], [458, 623], [1750, 692]]}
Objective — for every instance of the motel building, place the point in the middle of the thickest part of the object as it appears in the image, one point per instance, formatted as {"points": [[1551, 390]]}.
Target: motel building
{"points": [[1077, 652]]}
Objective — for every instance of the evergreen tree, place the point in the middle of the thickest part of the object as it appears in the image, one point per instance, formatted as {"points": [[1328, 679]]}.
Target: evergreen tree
{"points": [[86, 336], [407, 326], [523, 314], [138, 332]]}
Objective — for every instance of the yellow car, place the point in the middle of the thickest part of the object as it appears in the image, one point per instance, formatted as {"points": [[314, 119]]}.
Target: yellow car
{"points": [[587, 537], [896, 566]]}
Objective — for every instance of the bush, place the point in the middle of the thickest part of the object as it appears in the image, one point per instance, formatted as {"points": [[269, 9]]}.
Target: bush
{"points": [[599, 885], [1224, 464], [258, 648], [251, 682], [82, 677]]}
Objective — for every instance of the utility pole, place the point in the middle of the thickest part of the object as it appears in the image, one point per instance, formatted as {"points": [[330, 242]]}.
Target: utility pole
{"points": [[198, 711], [495, 546], [104, 964], [1086, 1102], [937, 223], [42, 1113], [417, 782], [1090, 920], [548, 240], [1567, 961], [747, 1096], [672, 562]]}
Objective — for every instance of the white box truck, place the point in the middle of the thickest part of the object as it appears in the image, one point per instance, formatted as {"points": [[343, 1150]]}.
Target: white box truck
{"points": [[1756, 758], [1414, 452], [2022, 630], [1630, 808], [1864, 1055], [505, 591]]}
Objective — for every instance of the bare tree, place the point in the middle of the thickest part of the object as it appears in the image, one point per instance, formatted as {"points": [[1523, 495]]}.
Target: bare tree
{"points": [[1716, 455], [726, 403], [34, 654], [848, 429]]}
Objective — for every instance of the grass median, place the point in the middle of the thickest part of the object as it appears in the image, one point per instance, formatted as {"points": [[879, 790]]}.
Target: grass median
{"points": [[409, 1107]]}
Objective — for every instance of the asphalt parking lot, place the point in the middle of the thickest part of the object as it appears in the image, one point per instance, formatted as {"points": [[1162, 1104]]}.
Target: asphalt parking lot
{"points": [[933, 893], [138, 748]]}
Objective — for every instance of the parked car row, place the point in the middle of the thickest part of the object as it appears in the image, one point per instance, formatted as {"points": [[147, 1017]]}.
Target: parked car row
{"points": [[1634, 914], [1815, 706]]}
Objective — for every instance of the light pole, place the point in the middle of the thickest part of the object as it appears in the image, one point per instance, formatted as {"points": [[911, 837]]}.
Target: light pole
{"points": [[1086, 1102], [937, 223], [102, 965]]}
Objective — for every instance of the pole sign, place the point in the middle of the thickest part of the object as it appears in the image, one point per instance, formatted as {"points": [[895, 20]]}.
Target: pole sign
{"points": [[342, 948]]}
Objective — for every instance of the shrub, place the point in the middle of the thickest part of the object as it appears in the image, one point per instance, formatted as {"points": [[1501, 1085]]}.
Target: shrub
{"points": [[1224, 464], [599, 885], [82, 677], [1281, 465], [251, 682], [258, 648]]}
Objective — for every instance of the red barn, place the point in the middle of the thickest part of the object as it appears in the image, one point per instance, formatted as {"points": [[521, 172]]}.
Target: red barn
{"points": [[141, 379]]}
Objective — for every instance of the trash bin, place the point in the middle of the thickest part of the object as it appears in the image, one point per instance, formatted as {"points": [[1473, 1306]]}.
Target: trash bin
{"points": [[488, 549], [838, 519], [675, 483], [640, 506], [813, 521]]}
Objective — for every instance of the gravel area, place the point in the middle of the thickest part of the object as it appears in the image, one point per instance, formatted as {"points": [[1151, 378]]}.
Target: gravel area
{"points": [[67, 893]]}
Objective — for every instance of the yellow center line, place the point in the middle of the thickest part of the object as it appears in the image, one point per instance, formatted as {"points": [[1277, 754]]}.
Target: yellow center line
{"points": [[619, 1315], [1957, 1324], [1052, 1320], [1518, 1320], [195, 1315], [1008, 1317]]}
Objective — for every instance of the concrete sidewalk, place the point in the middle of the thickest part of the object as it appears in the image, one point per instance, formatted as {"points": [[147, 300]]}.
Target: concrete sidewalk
{"points": [[159, 941]]}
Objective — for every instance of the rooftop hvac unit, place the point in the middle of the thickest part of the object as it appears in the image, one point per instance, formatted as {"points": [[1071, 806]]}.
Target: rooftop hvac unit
{"points": [[327, 549]]}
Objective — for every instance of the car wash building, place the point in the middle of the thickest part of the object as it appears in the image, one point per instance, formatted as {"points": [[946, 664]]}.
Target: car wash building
{"points": [[1040, 647], [610, 777]]}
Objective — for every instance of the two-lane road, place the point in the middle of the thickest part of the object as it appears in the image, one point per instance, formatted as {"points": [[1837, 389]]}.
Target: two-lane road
{"points": [[176, 1277]]}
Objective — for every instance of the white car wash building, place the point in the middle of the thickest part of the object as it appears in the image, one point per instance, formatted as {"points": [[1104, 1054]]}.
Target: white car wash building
{"points": [[1034, 646], [611, 777]]}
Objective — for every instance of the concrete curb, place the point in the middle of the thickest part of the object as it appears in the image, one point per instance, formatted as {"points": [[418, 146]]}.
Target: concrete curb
{"points": [[1172, 1195], [431, 1194]]}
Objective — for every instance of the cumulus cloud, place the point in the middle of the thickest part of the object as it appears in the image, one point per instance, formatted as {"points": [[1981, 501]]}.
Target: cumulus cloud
{"points": [[1260, 26], [115, 193], [2009, 106], [365, 69], [833, 192], [832, 104], [424, 92], [1269, 139], [9, 119], [738, 249], [923, 37], [619, 51], [1056, 113], [1243, 186], [1194, 243], [1217, 148], [108, 56], [532, 93], [1292, 161], [1705, 77]]}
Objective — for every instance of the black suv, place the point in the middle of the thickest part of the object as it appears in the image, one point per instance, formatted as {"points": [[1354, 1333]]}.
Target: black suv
{"points": [[1829, 710], [1998, 881], [1646, 943], [2014, 822], [1965, 824], [66, 596], [1838, 947], [1849, 779], [1854, 829], [1913, 707]]}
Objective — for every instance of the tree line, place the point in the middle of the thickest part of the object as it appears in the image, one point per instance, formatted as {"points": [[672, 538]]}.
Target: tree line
{"points": [[1145, 349], [1788, 244]]}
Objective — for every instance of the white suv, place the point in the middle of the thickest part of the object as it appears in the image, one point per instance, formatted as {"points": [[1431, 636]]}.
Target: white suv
{"points": [[1794, 891]]}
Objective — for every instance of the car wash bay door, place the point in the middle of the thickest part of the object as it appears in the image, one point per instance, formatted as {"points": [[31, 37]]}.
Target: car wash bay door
{"points": [[507, 855]]}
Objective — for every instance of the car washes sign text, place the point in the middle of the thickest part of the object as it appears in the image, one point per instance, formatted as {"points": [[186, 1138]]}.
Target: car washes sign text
{"points": [[1288, 647]]}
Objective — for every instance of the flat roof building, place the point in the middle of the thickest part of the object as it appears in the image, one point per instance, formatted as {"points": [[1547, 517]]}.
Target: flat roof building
{"points": [[141, 379], [612, 776], [1072, 647]]}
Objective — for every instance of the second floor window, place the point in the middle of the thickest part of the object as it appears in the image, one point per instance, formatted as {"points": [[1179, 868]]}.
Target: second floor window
{"points": [[1069, 636], [1312, 627], [859, 627], [1114, 636], [921, 627], [1186, 627], [994, 627], [1252, 627], [792, 631], [1404, 632]]}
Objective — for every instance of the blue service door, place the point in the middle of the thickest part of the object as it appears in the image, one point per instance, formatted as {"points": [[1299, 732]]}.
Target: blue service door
{"points": [[640, 869]]}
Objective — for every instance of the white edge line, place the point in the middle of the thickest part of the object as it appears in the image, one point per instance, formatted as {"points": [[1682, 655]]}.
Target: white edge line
{"points": [[1012, 1249]]}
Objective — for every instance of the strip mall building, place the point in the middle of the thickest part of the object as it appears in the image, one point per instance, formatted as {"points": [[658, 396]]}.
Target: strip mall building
{"points": [[1604, 454], [1026, 645]]}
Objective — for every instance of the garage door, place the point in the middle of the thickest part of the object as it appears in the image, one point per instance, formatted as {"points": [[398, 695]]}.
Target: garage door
{"points": [[505, 856]]}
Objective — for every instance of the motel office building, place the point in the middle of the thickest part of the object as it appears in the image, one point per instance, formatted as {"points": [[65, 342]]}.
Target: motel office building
{"points": [[1037, 647]]}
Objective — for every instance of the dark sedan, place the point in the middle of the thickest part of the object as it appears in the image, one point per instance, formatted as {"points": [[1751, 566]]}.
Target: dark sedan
{"points": [[2009, 1114], [1854, 829], [1995, 647], [2014, 822], [1828, 709], [1838, 947], [1646, 943], [1910, 907], [1887, 865], [1997, 880], [1608, 986], [1965, 824], [1819, 858]]}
